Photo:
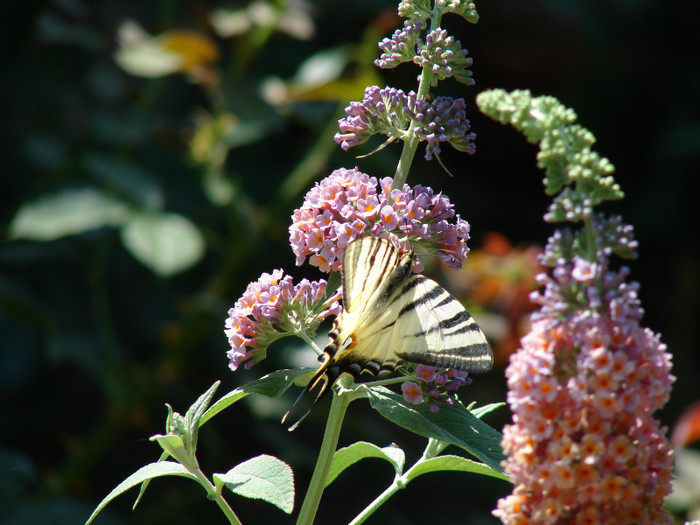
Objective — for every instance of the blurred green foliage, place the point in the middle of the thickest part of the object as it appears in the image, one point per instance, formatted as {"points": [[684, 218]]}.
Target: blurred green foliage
{"points": [[136, 208]]}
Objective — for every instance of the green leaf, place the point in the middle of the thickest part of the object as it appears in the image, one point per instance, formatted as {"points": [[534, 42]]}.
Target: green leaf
{"points": [[199, 408], [455, 425], [167, 243], [182, 432], [480, 412], [164, 456], [345, 457], [67, 212], [263, 477], [453, 463], [271, 385], [150, 471], [175, 446]]}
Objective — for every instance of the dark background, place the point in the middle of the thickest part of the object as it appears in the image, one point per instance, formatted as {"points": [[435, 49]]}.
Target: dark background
{"points": [[92, 343]]}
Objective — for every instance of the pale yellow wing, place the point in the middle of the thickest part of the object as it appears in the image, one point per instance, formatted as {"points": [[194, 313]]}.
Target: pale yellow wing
{"points": [[391, 315], [368, 264]]}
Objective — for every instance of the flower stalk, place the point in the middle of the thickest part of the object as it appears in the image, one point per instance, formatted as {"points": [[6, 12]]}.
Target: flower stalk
{"points": [[339, 405]]}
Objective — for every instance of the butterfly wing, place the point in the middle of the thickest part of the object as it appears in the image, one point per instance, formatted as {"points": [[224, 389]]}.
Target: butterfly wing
{"points": [[367, 264], [433, 328], [391, 315], [371, 267]]}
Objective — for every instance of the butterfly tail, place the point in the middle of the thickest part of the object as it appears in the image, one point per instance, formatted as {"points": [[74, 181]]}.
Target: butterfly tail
{"points": [[319, 384]]}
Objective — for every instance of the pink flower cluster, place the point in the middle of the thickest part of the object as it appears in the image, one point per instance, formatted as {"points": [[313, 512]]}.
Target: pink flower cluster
{"points": [[273, 307], [349, 203], [584, 446], [435, 385]]}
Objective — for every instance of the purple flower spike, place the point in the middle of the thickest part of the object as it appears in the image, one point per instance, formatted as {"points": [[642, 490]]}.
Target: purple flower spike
{"points": [[390, 111], [584, 445], [382, 111], [444, 120]]}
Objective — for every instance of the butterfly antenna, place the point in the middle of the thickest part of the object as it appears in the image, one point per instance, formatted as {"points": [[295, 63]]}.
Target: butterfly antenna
{"points": [[295, 425]]}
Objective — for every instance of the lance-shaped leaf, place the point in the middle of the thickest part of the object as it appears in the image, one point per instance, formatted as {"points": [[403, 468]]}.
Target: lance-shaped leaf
{"points": [[350, 455], [145, 473], [454, 425], [452, 463]]}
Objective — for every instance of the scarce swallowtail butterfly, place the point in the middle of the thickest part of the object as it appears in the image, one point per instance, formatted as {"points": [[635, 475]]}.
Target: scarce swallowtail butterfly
{"points": [[391, 315]]}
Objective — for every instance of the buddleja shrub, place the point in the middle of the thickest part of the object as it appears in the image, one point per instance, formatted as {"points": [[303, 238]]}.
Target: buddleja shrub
{"points": [[584, 446]]}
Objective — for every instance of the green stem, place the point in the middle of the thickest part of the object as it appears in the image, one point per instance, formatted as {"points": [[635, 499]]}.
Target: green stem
{"points": [[309, 341], [228, 511], [323, 464], [214, 494], [410, 144], [432, 449], [378, 502]]}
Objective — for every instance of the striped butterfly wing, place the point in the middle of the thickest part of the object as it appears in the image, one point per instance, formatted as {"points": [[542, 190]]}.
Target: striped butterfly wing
{"points": [[368, 266], [433, 328], [391, 315], [372, 268]]}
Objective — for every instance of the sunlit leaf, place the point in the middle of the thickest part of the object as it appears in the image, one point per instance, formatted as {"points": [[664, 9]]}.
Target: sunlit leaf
{"points": [[150, 471], [455, 464], [229, 22], [194, 49], [263, 477], [272, 385], [322, 67], [454, 425], [167, 243], [67, 212], [294, 19], [142, 55], [480, 412], [173, 446], [345, 457]]}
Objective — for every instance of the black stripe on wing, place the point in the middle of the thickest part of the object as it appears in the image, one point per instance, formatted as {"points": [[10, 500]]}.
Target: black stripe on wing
{"points": [[460, 343], [368, 266]]}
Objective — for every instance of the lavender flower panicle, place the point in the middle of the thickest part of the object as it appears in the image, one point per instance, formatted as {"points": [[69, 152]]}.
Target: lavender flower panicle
{"points": [[422, 9], [389, 111], [444, 120], [445, 56], [348, 204], [383, 111], [401, 47], [273, 307]]}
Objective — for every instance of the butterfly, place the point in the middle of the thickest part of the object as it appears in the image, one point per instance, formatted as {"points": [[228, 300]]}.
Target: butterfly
{"points": [[390, 316]]}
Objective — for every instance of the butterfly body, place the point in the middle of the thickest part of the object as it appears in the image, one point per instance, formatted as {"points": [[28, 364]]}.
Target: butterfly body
{"points": [[391, 315]]}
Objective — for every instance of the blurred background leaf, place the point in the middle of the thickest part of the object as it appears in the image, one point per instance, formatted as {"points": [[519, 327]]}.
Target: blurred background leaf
{"points": [[165, 243], [67, 212]]}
